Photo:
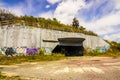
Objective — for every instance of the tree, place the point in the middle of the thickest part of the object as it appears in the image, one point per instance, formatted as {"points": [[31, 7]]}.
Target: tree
{"points": [[75, 23], [6, 17], [82, 28]]}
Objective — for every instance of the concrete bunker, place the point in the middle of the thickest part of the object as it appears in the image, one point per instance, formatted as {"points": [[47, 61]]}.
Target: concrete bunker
{"points": [[70, 46]]}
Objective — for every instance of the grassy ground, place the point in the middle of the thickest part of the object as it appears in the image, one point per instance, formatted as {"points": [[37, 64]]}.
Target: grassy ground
{"points": [[3, 77], [5, 60], [106, 54], [8, 60]]}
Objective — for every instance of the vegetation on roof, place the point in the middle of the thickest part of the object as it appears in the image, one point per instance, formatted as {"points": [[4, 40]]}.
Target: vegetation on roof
{"points": [[8, 18], [114, 45]]}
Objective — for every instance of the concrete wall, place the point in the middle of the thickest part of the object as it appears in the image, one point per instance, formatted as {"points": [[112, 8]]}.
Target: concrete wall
{"points": [[33, 37]]}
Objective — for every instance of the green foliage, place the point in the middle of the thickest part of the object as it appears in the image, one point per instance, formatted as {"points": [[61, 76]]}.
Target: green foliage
{"points": [[5, 60], [107, 54], [39, 22], [75, 23], [3, 77], [82, 28], [6, 17], [41, 51], [53, 24], [114, 45], [93, 53], [114, 50]]}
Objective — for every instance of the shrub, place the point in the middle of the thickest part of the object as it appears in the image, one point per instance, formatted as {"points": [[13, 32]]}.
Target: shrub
{"points": [[41, 51]]}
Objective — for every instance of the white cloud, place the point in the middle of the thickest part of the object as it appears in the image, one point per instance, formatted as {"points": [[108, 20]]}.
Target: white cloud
{"points": [[113, 37], [67, 9], [47, 15], [47, 6], [103, 25], [16, 9], [117, 4], [53, 1], [19, 8]]}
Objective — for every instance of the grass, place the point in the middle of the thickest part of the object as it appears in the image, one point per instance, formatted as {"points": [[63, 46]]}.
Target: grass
{"points": [[3, 77], [5, 60], [109, 53]]}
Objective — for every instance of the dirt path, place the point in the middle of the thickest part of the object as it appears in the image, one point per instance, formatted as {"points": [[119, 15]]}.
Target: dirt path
{"points": [[78, 68]]}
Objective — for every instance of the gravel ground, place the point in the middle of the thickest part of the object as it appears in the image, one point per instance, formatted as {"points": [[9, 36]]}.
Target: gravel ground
{"points": [[73, 68]]}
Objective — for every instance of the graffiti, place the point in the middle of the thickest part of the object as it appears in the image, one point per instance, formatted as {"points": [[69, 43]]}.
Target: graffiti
{"points": [[102, 49], [31, 51], [21, 51], [18, 51], [2, 51], [47, 51], [9, 51]]}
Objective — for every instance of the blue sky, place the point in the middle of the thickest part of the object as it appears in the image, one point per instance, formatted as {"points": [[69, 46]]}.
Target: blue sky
{"points": [[100, 16]]}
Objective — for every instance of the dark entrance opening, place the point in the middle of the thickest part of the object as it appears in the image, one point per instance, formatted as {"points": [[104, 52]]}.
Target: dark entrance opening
{"points": [[70, 46]]}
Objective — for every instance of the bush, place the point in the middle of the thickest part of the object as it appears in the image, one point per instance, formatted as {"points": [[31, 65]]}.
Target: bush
{"points": [[41, 51]]}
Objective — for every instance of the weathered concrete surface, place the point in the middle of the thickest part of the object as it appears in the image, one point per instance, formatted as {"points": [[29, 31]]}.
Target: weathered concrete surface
{"points": [[80, 68], [33, 37]]}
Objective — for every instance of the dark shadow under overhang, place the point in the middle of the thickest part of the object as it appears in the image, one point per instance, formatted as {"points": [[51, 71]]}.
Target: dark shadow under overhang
{"points": [[70, 46], [71, 41]]}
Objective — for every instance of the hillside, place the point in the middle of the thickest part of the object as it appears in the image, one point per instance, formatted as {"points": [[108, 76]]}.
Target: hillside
{"points": [[6, 18], [114, 45]]}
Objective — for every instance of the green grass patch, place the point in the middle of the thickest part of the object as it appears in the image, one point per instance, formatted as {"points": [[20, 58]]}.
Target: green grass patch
{"points": [[4, 77], [109, 53], [5, 60]]}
